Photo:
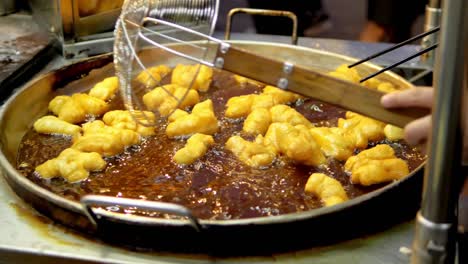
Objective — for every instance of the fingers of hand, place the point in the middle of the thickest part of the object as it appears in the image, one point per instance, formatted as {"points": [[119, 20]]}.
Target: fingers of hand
{"points": [[417, 131], [415, 97]]}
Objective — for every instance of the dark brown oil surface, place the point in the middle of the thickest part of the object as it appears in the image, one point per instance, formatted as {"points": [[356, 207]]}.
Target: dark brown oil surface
{"points": [[218, 186]]}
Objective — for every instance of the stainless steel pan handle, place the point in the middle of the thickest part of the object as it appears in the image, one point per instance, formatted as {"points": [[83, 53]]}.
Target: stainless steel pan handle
{"points": [[262, 12], [169, 208]]}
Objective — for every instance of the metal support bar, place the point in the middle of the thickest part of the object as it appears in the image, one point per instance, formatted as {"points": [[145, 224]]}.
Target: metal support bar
{"points": [[432, 20], [434, 238]]}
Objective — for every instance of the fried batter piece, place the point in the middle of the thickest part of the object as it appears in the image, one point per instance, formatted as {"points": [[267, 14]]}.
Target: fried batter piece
{"points": [[67, 109], [351, 74], [176, 115], [183, 75], [362, 128], [257, 122], [53, 125], [239, 106], [105, 140], [345, 73], [376, 165], [91, 105], [280, 96], [201, 120], [242, 106], [74, 109], [253, 154], [197, 145], [126, 120], [296, 142], [153, 75], [393, 133], [386, 87], [334, 142], [73, 165], [372, 83], [165, 99], [329, 190], [105, 89], [244, 80], [259, 119], [378, 152], [284, 113], [262, 101]]}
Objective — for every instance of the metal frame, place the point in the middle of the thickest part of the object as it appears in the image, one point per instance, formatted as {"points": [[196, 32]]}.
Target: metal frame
{"points": [[435, 237]]}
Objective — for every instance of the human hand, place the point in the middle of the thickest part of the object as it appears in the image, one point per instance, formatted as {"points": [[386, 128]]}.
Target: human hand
{"points": [[417, 131]]}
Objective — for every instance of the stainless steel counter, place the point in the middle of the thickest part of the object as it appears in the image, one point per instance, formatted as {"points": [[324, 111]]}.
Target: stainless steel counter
{"points": [[28, 238]]}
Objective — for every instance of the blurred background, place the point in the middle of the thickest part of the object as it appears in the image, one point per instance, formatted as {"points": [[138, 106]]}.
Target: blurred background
{"points": [[345, 19]]}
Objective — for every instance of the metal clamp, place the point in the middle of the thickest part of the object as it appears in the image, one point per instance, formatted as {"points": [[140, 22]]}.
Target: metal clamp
{"points": [[262, 12], [223, 49], [169, 208], [431, 241], [287, 70]]}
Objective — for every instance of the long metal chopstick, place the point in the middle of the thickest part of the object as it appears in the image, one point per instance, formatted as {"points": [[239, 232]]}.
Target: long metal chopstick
{"points": [[395, 46], [400, 62], [434, 30]]}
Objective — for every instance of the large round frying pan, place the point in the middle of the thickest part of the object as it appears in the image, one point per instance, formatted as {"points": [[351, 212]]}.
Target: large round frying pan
{"points": [[368, 213]]}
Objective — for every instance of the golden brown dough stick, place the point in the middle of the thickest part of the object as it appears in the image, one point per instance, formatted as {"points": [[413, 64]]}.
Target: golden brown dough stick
{"points": [[346, 73], [67, 109], [244, 80], [239, 106], [167, 98], [251, 153], [243, 105], [280, 96], [201, 120], [362, 128], [153, 75], [376, 165], [123, 119], [329, 190], [334, 142], [106, 89], [296, 142], [91, 105], [184, 74], [197, 146], [72, 165], [54, 125], [74, 109], [286, 114], [379, 171], [257, 122], [105, 140], [386, 87], [393, 133], [378, 152]]}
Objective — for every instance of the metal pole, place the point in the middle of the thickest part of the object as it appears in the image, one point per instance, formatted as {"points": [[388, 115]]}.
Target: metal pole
{"points": [[432, 20], [436, 222]]}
